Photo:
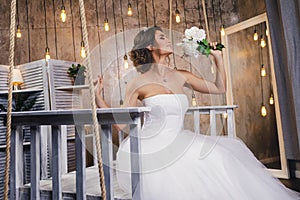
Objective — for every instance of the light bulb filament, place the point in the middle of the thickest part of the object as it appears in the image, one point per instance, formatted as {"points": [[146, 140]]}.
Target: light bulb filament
{"points": [[177, 16], [47, 56], [222, 30], [255, 35], [212, 69], [82, 50], [106, 25], [263, 110], [129, 11], [194, 102], [271, 100], [63, 15], [18, 34], [126, 65], [262, 42], [263, 70]]}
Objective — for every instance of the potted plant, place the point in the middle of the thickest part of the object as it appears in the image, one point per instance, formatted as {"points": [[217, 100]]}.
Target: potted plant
{"points": [[20, 102], [77, 73]]}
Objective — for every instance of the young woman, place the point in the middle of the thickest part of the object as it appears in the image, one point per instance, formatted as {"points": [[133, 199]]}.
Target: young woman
{"points": [[176, 163]]}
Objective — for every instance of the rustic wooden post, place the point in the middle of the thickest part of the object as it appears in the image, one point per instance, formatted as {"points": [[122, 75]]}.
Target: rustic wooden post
{"points": [[230, 122], [197, 121], [80, 162], [44, 151], [135, 150], [213, 123], [16, 170], [35, 163], [107, 157], [56, 164]]}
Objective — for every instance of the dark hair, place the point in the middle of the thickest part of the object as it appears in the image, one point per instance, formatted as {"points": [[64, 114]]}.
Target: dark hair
{"points": [[141, 56]]}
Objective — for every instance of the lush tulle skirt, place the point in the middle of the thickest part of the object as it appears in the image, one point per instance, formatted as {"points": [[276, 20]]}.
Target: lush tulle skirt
{"points": [[200, 167], [179, 164]]}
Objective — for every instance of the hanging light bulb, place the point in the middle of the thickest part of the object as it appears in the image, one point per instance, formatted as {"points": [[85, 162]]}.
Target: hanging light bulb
{"points": [[106, 25], [177, 16], [129, 10], [271, 99], [263, 110], [267, 33], [18, 34], [82, 50], [263, 70], [225, 115], [47, 56], [255, 35], [262, 42], [222, 30], [194, 102], [63, 15], [126, 62], [212, 69]]}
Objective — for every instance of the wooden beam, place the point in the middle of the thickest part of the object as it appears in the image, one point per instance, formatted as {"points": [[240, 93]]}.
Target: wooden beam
{"points": [[35, 163], [80, 163], [56, 164]]}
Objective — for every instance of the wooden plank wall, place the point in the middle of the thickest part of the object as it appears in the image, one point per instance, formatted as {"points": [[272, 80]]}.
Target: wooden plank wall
{"points": [[64, 38]]}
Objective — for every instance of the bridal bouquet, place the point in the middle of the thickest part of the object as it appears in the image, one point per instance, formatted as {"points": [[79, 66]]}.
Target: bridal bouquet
{"points": [[195, 43]]}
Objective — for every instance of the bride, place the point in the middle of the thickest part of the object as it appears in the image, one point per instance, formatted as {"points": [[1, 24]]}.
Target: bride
{"points": [[176, 163]]}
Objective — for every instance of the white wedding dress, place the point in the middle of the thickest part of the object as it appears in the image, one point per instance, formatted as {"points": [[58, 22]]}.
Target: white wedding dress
{"points": [[178, 164]]}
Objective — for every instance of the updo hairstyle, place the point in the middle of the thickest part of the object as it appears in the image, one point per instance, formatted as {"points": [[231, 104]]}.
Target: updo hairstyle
{"points": [[141, 56]]}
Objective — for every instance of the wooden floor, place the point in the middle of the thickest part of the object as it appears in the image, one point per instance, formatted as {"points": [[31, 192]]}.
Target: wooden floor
{"points": [[69, 188]]}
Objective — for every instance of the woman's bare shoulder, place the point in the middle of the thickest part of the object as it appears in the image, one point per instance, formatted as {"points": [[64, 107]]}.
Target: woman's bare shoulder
{"points": [[183, 73], [135, 83], [138, 79]]}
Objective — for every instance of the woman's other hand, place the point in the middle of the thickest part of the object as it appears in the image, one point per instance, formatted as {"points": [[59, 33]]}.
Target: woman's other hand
{"points": [[98, 83], [215, 53]]}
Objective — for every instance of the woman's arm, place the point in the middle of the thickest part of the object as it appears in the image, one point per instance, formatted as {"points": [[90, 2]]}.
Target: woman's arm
{"points": [[130, 98], [98, 90], [204, 86]]}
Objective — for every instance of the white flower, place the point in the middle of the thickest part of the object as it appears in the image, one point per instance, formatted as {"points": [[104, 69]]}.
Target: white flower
{"points": [[190, 47], [195, 43], [195, 34]]}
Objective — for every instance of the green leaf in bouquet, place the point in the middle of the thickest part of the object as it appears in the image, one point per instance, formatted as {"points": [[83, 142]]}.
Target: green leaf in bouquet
{"points": [[21, 102], [201, 48], [205, 42], [219, 46], [207, 51]]}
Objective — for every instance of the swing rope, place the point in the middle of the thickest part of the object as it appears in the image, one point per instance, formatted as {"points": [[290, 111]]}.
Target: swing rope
{"points": [[93, 104], [9, 101], [206, 20], [170, 19]]}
